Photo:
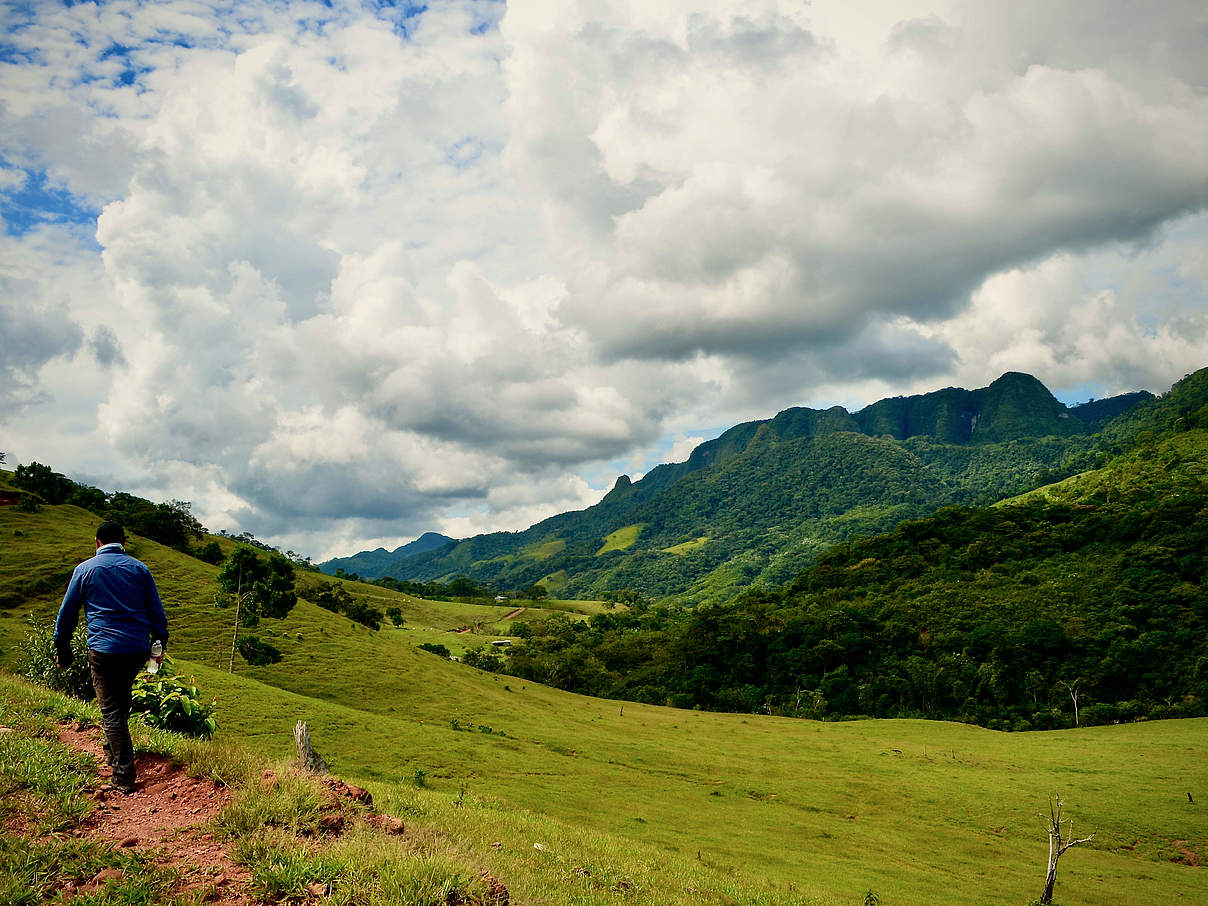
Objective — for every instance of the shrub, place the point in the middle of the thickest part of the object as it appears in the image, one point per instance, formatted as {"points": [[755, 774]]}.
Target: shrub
{"points": [[332, 597], [257, 652], [38, 661], [436, 649], [484, 659], [364, 613], [168, 702], [336, 599], [210, 553]]}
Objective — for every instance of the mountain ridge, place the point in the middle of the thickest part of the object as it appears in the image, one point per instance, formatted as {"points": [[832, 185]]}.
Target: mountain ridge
{"points": [[366, 561], [963, 445]]}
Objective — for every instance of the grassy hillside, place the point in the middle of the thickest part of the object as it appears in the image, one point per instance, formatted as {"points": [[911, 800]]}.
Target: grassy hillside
{"points": [[686, 806], [1083, 602], [771, 495]]}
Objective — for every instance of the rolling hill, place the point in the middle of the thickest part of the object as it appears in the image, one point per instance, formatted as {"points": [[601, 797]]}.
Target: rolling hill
{"points": [[647, 805]]}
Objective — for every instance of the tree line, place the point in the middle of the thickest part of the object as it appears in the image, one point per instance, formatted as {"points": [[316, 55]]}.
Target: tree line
{"points": [[170, 523], [1040, 615]]}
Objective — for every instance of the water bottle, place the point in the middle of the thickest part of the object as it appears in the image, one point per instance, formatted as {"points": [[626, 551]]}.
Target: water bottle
{"points": [[157, 649]]}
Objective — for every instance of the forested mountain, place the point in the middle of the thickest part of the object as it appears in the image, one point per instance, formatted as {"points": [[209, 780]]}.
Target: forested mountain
{"points": [[764, 499], [1080, 602], [375, 563]]}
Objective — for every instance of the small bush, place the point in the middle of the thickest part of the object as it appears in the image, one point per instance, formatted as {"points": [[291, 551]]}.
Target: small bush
{"points": [[436, 649], [484, 659], [257, 652], [209, 553], [336, 599], [38, 661], [168, 702]]}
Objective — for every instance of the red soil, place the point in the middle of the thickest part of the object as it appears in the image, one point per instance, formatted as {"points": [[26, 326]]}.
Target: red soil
{"points": [[166, 817]]}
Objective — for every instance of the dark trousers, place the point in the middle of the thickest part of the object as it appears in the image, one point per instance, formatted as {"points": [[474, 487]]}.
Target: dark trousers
{"points": [[112, 679]]}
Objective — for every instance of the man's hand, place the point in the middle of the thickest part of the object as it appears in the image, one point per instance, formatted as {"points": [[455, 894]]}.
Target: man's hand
{"points": [[64, 658]]}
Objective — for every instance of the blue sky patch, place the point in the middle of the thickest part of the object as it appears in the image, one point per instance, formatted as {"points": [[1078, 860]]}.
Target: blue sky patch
{"points": [[401, 15], [1086, 391], [11, 53], [36, 202], [464, 153], [487, 16]]}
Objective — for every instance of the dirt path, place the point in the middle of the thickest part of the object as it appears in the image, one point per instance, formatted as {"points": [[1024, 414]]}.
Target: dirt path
{"points": [[515, 613], [166, 818]]}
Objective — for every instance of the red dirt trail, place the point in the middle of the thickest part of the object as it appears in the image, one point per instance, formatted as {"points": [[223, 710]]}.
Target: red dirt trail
{"points": [[165, 817]]}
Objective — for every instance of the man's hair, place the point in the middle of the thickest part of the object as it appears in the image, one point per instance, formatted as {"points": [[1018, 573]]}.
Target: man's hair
{"points": [[109, 532]]}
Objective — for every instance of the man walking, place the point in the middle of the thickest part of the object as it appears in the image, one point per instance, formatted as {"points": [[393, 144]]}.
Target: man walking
{"points": [[123, 613]]}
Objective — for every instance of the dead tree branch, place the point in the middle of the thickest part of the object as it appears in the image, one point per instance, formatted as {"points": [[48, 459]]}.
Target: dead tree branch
{"points": [[1059, 842]]}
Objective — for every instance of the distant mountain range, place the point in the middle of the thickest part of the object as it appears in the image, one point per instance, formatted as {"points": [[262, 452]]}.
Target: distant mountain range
{"points": [[759, 503], [375, 563]]}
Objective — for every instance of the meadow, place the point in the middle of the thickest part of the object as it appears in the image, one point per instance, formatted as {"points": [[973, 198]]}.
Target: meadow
{"points": [[681, 806]]}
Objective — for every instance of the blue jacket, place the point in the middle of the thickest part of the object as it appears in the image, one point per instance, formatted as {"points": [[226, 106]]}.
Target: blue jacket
{"points": [[121, 604]]}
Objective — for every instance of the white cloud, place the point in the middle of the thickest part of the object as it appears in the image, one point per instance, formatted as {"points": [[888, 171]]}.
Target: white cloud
{"points": [[359, 277]]}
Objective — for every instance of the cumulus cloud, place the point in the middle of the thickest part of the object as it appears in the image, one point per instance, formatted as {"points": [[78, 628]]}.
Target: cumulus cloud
{"points": [[30, 336], [816, 203], [360, 273], [104, 346]]}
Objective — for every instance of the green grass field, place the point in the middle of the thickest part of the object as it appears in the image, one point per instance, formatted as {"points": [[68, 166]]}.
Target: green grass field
{"points": [[620, 540], [686, 547], [747, 808], [543, 551]]}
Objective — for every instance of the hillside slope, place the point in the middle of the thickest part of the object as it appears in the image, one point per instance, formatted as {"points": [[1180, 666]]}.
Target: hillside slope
{"points": [[682, 806], [758, 503], [1082, 602], [375, 563]]}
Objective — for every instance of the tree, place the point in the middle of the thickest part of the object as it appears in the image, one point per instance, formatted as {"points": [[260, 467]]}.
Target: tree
{"points": [[1058, 844], [484, 659], [396, 616], [332, 597], [1075, 694], [335, 598], [209, 553], [89, 498], [257, 587], [364, 613], [51, 486], [171, 523]]}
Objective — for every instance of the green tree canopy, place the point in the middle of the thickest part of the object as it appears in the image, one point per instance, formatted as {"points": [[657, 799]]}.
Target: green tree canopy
{"points": [[263, 585]]}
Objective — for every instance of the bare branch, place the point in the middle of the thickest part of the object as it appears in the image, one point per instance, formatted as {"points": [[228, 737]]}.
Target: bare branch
{"points": [[1058, 844]]}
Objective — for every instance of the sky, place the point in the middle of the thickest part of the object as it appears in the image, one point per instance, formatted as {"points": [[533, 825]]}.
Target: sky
{"points": [[343, 273]]}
